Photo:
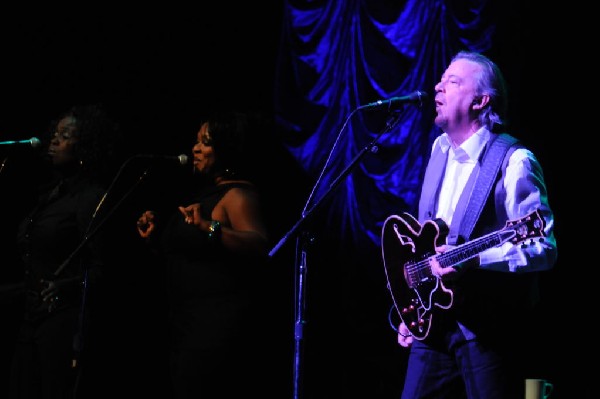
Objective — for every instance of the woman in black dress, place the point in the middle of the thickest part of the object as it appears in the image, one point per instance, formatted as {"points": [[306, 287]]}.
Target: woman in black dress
{"points": [[57, 263], [215, 246]]}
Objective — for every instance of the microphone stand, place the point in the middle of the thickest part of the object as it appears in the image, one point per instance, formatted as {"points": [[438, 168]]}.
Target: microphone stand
{"points": [[301, 250], [79, 335]]}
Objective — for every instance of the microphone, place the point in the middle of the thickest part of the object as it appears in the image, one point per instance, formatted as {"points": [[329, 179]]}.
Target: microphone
{"points": [[181, 159], [417, 97], [33, 142]]}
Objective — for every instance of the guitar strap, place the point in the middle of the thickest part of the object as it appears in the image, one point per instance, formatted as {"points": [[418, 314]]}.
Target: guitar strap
{"points": [[478, 188]]}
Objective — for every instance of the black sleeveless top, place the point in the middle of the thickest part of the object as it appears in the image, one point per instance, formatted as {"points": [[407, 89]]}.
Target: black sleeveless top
{"points": [[208, 286]]}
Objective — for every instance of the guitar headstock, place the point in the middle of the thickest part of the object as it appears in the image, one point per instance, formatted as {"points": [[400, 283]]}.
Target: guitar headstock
{"points": [[528, 227]]}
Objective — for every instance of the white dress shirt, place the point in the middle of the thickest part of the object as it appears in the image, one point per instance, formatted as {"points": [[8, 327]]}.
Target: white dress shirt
{"points": [[524, 192]]}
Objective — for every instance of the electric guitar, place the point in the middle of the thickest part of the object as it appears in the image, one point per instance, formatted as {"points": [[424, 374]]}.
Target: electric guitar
{"points": [[407, 247]]}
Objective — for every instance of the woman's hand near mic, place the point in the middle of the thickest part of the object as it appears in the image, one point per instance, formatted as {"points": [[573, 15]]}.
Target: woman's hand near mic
{"points": [[145, 224], [191, 214]]}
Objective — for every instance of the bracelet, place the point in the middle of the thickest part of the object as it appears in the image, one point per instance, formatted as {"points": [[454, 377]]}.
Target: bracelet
{"points": [[214, 231]]}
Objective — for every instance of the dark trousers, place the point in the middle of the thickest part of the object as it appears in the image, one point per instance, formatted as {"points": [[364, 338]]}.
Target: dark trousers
{"points": [[43, 354], [451, 366]]}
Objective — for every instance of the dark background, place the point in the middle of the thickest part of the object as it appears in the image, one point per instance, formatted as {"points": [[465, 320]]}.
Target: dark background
{"points": [[157, 71]]}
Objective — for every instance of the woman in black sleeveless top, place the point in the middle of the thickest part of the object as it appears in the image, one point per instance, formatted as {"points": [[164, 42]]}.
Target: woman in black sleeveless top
{"points": [[214, 245]]}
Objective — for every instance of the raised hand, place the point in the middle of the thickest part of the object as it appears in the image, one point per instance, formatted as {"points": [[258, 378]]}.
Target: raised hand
{"points": [[145, 224]]}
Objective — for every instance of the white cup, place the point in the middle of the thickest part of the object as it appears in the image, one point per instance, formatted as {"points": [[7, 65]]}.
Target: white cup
{"points": [[536, 388]]}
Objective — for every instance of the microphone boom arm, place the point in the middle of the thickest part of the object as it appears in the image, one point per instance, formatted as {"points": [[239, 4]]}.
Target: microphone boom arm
{"points": [[301, 256]]}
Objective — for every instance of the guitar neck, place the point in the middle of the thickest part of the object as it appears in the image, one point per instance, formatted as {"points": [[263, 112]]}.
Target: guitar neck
{"points": [[473, 248]]}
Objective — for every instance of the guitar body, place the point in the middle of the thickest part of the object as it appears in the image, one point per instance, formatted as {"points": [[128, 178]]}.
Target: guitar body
{"points": [[407, 247], [406, 243]]}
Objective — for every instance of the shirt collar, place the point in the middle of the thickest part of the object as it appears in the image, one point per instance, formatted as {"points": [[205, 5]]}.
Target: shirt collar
{"points": [[472, 147]]}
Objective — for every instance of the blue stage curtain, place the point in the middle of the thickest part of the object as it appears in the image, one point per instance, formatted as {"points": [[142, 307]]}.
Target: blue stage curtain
{"points": [[335, 56]]}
